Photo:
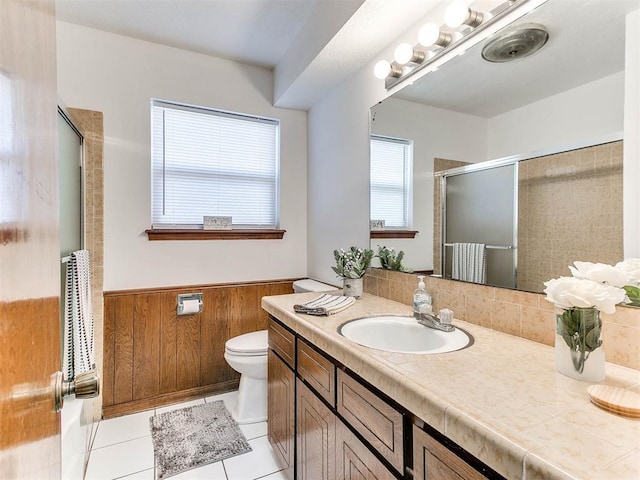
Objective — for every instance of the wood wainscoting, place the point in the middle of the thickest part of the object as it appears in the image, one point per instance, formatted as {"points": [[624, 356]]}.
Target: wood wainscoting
{"points": [[153, 357]]}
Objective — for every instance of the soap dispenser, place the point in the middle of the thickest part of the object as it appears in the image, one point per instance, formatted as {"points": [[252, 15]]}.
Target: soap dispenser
{"points": [[421, 299]]}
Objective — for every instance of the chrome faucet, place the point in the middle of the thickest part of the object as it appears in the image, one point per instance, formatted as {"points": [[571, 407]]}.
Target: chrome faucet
{"points": [[433, 321]]}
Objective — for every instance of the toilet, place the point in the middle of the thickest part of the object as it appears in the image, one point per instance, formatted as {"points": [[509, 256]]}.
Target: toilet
{"points": [[308, 285], [247, 355]]}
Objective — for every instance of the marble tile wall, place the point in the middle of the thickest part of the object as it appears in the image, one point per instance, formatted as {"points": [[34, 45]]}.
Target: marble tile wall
{"points": [[523, 314], [570, 208], [90, 124]]}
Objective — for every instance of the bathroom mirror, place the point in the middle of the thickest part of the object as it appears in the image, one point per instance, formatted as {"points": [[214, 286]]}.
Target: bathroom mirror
{"points": [[569, 93]]}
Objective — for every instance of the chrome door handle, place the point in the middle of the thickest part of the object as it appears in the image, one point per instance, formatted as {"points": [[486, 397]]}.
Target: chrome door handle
{"points": [[85, 385]]}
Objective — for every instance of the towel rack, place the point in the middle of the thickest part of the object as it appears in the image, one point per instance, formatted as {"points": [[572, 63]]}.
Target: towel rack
{"points": [[492, 247], [65, 259]]}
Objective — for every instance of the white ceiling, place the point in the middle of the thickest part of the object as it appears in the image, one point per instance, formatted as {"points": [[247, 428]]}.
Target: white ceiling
{"points": [[257, 32], [313, 45]]}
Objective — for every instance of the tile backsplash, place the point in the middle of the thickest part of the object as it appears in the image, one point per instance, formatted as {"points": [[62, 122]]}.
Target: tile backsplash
{"points": [[524, 314]]}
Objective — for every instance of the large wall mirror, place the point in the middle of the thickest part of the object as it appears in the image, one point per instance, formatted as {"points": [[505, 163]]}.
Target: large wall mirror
{"points": [[555, 115]]}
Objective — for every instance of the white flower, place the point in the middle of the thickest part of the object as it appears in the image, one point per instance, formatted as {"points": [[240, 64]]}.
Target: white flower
{"points": [[631, 268], [568, 292], [601, 273]]}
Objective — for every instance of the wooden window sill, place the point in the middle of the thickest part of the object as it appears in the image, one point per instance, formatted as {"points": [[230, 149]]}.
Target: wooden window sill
{"points": [[394, 233], [199, 234]]}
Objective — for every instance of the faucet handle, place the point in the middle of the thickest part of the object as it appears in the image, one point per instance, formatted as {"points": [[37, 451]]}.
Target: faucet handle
{"points": [[446, 316]]}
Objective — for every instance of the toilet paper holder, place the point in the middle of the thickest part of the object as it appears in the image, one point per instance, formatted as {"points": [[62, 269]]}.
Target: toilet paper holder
{"points": [[186, 301]]}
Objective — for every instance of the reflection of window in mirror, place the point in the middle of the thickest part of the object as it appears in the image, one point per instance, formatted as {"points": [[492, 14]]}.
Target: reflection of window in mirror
{"points": [[391, 181]]}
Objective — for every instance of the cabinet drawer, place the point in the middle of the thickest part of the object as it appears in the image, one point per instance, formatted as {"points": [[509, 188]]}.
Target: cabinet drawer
{"points": [[282, 341], [318, 371], [432, 460], [377, 421]]}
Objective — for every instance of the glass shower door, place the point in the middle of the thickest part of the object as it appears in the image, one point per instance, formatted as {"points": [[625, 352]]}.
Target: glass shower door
{"points": [[481, 207]]}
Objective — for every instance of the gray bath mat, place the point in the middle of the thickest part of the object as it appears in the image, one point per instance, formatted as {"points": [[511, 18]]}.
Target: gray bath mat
{"points": [[194, 436]]}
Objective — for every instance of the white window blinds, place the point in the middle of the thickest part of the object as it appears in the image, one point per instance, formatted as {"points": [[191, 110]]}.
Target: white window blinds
{"points": [[208, 162], [391, 181]]}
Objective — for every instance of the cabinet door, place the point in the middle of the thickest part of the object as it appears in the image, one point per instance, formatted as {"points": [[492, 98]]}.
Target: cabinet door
{"points": [[379, 423], [433, 461], [316, 437], [281, 411], [354, 461]]}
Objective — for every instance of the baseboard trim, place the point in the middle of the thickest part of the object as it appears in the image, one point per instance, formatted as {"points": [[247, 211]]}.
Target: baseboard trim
{"points": [[167, 399]]}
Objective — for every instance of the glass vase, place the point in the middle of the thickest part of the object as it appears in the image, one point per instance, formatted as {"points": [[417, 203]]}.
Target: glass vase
{"points": [[578, 346], [352, 287]]}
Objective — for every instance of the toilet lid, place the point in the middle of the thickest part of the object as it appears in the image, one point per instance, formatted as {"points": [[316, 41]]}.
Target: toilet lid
{"points": [[254, 343]]}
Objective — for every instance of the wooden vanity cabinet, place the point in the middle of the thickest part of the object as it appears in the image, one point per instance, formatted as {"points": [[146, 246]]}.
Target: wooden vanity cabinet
{"points": [[433, 461], [328, 423], [354, 461], [379, 423], [315, 436], [281, 381], [326, 447]]}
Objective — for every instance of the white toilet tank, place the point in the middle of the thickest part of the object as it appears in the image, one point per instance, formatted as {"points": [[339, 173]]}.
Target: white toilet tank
{"points": [[308, 285]]}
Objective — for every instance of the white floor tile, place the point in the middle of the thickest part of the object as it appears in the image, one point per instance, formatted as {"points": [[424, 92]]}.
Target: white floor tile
{"points": [[229, 399], [121, 459], [213, 471], [276, 476], [178, 406], [122, 429], [254, 430], [143, 475], [255, 464]]}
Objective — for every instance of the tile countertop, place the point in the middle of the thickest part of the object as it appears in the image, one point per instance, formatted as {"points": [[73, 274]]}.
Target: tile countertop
{"points": [[501, 399]]}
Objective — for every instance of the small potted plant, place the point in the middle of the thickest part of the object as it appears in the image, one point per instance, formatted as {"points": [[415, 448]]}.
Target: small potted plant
{"points": [[390, 260], [351, 265]]}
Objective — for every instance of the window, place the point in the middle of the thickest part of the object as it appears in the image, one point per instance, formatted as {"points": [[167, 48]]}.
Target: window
{"points": [[209, 162], [391, 181]]}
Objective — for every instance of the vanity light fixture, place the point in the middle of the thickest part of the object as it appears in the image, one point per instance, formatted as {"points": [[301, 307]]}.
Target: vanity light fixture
{"points": [[439, 43], [430, 35], [405, 53], [384, 69], [458, 14]]}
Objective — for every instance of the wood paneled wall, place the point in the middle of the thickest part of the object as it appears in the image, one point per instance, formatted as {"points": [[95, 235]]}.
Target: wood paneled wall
{"points": [[154, 357]]}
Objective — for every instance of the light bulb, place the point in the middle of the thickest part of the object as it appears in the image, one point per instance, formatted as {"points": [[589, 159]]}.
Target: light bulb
{"points": [[429, 34], [456, 14], [382, 69], [455, 36], [403, 53]]}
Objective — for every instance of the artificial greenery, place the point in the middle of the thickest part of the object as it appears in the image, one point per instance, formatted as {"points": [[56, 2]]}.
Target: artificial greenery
{"points": [[634, 295], [581, 329], [390, 260], [352, 263]]}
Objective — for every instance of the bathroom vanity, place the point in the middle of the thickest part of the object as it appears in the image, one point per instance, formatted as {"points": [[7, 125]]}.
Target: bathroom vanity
{"points": [[495, 409]]}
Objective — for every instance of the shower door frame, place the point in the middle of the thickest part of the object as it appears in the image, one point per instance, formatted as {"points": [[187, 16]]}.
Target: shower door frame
{"points": [[478, 167], [62, 111]]}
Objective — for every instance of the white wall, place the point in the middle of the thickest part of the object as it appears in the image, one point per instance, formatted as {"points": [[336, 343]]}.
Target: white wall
{"points": [[583, 113], [118, 76], [338, 179], [632, 137], [435, 133]]}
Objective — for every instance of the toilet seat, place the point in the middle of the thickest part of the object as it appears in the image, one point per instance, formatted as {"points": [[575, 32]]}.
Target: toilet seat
{"points": [[248, 345]]}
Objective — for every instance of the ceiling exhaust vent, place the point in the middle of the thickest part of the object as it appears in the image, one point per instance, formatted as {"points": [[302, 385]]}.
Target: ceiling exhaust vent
{"points": [[518, 42]]}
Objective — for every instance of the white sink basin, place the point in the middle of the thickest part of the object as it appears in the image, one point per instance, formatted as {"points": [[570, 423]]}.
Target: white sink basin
{"points": [[403, 335]]}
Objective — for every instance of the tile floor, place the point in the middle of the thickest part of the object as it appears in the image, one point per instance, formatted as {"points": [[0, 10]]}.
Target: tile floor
{"points": [[122, 449]]}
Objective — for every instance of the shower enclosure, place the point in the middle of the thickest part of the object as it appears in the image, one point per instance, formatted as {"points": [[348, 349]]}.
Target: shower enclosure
{"points": [[480, 205]]}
